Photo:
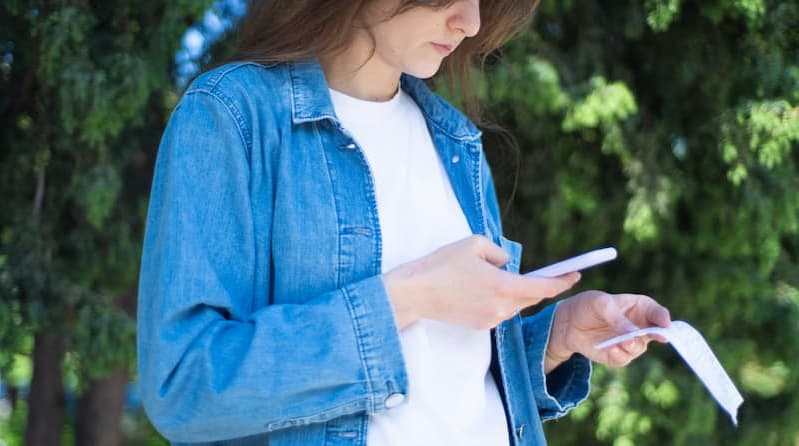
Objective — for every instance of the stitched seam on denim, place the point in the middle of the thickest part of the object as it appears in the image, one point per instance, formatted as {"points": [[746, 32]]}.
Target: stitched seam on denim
{"points": [[558, 407], [319, 417], [477, 188], [499, 335], [217, 76], [241, 126], [440, 103], [356, 325], [363, 431], [465, 138], [374, 217], [376, 263], [318, 133], [570, 389], [567, 392], [579, 371], [293, 91], [295, 116], [515, 260]]}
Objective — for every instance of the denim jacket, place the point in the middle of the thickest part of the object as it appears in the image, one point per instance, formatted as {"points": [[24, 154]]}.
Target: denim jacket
{"points": [[263, 317]]}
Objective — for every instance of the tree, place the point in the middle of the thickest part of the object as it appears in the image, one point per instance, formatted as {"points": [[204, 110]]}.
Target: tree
{"points": [[85, 89], [667, 128], [670, 129]]}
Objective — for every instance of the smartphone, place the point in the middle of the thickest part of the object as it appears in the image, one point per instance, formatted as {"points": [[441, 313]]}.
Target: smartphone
{"points": [[576, 263]]}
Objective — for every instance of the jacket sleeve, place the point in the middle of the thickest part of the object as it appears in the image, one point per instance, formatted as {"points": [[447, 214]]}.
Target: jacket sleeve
{"points": [[562, 389], [210, 366]]}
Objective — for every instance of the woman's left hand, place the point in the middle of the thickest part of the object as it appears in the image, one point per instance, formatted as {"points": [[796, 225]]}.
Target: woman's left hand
{"points": [[586, 319]]}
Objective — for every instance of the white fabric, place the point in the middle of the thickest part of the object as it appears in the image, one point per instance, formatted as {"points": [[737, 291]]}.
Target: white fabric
{"points": [[453, 399]]}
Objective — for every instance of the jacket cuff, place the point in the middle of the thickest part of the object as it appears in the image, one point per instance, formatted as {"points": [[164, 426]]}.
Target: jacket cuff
{"points": [[378, 343], [564, 387]]}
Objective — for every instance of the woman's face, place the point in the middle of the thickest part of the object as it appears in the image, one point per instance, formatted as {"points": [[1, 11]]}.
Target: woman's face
{"points": [[417, 40]]}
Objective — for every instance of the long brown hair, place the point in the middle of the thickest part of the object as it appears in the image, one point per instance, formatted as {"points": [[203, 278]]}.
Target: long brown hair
{"points": [[276, 31]]}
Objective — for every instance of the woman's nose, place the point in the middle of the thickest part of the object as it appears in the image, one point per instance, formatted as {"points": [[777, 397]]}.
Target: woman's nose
{"points": [[466, 17]]}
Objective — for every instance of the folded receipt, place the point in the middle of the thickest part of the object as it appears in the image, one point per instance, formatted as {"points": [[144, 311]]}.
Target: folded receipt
{"points": [[693, 348]]}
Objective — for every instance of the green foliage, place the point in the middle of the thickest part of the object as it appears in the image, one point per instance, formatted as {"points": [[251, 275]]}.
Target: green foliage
{"points": [[104, 335], [139, 432], [603, 106], [662, 13], [759, 136], [671, 130], [668, 128], [84, 94], [12, 425]]}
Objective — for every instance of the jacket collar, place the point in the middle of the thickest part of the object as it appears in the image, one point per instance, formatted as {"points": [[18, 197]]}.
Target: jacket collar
{"points": [[310, 101]]}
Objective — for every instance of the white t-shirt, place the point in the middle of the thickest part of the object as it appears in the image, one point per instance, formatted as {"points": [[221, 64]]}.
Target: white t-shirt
{"points": [[453, 399]]}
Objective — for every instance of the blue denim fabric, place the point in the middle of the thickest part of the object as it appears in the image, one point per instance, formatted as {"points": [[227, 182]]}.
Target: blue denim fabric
{"points": [[263, 318]]}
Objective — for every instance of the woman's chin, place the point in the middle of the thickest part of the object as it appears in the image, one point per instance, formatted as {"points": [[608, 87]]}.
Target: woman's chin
{"points": [[424, 72]]}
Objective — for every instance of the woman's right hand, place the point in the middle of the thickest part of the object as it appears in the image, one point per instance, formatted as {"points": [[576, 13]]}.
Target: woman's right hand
{"points": [[463, 284]]}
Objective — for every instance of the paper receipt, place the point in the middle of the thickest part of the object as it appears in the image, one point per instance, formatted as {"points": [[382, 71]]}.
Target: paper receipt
{"points": [[693, 348]]}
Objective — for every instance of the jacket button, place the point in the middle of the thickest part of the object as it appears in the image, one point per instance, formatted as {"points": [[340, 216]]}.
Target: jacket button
{"points": [[394, 400], [349, 146], [455, 159], [520, 431]]}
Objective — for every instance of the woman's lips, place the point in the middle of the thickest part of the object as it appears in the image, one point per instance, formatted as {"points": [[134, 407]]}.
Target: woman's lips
{"points": [[443, 48]]}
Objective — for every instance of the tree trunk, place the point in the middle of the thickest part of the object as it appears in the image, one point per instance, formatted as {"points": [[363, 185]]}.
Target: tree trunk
{"points": [[99, 411], [46, 397], [13, 396]]}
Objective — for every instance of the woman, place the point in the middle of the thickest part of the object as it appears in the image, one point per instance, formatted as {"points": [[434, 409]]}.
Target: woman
{"points": [[324, 262]]}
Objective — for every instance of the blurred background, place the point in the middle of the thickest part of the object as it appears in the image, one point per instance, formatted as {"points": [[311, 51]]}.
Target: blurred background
{"points": [[666, 128]]}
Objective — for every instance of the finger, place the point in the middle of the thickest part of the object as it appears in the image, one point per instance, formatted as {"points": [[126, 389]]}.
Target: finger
{"points": [[658, 338], [634, 347], [618, 357], [526, 287], [490, 252], [608, 309], [644, 310], [658, 314]]}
